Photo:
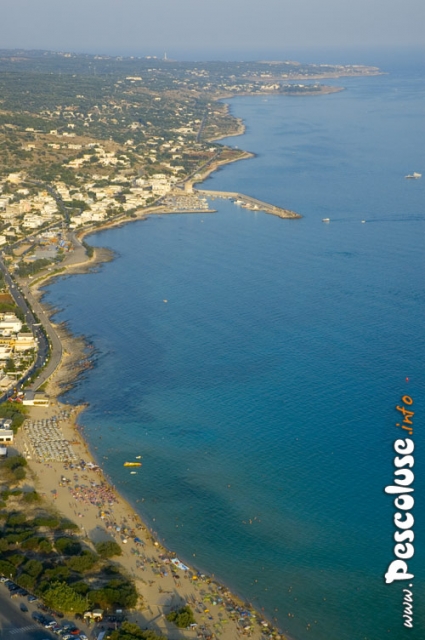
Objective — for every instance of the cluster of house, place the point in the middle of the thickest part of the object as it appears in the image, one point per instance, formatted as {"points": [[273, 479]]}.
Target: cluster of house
{"points": [[12, 344], [22, 209], [6, 436], [101, 199]]}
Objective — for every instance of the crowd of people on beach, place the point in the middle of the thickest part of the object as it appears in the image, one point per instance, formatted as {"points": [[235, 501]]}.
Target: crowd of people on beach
{"points": [[45, 440], [170, 582]]}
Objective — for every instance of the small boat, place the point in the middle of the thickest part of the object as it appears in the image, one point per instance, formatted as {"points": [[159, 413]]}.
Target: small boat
{"points": [[132, 464], [413, 176], [132, 473], [326, 219]]}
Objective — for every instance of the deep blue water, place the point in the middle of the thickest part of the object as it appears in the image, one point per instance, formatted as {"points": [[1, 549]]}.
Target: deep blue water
{"points": [[262, 394]]}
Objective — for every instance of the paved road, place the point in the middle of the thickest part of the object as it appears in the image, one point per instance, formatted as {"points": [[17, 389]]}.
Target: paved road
{"points": [[34, 325], [16, 625]]}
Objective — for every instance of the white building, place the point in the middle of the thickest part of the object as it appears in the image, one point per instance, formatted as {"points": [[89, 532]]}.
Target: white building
{"points": [[6, 437], [24, 342], [10, 323]]}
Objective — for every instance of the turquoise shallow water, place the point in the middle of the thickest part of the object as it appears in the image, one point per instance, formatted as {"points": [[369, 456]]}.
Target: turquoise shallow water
{"points": [[261, 395]]}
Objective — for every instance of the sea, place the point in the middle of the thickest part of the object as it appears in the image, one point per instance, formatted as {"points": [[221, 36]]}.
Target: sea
{"points": [[256, 363]]}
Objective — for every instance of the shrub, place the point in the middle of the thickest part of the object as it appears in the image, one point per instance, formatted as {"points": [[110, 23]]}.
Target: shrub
{"points": [[19, 473], [30, 497]]}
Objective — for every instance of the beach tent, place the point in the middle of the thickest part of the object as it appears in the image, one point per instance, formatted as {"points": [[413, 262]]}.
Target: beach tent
{"points": [[179, 564]]}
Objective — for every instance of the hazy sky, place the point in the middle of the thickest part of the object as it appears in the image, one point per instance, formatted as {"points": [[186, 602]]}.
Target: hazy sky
{"points": [[146, 27]]}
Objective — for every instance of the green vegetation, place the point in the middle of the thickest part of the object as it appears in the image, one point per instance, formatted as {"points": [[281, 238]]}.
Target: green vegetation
{"points": [[30, 268], [60, 596], [83, 562], [116, 593], [65, 574], [182, 618], [89, 249], [15, 467], [15, 412], [129, 631], [68, 546], [108, 549]]}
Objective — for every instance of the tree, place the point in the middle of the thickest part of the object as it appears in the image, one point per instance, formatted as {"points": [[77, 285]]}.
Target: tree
{"points": [[117, 592], [33, 568], [7, 569], [182, 618], [26, 581], [31, 496], [131, 631], [62, 597], [68, 546], [82, 563], [108, 549]]}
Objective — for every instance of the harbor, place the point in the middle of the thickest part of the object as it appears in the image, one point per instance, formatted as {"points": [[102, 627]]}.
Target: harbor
{"points": [[248, 202]]}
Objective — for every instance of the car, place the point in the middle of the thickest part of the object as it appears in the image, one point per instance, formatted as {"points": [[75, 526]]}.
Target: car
{"points": [[74, 632], [14, 594], [37, 616], [3, 579], [32, 598], [22, 592], [12, 586], [48, 623], [23, 607]]}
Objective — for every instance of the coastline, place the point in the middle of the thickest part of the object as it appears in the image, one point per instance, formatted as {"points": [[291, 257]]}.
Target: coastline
{"points": [[192, 587], [159, 591]]}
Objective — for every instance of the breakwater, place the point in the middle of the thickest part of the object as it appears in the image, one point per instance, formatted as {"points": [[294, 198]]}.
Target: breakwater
{"points": [[248, 202]]}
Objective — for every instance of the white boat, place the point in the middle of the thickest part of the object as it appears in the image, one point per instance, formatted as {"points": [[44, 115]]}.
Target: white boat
{"points": [[414, 176], [326, 219]]}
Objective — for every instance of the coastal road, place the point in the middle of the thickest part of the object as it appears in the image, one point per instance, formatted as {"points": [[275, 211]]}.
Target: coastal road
{"points": [[56, 345], [27, 306], [14, 624]]}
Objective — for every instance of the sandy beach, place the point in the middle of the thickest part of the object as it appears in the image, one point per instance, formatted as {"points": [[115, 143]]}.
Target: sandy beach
{"points": [[62, 473]]}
